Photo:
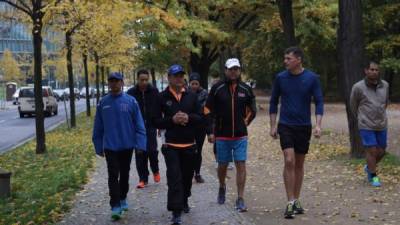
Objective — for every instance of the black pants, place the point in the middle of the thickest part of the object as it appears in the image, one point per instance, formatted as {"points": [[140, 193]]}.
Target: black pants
{"points": [[180, 171], [142, 161], [200, 137], [118, 165]]}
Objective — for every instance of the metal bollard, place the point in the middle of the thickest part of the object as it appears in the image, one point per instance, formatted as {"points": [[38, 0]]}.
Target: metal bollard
{"points": [[5, 187]]}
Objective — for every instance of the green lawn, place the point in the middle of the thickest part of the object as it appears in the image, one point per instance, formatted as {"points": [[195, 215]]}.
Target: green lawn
{"points": [[43, 186]]}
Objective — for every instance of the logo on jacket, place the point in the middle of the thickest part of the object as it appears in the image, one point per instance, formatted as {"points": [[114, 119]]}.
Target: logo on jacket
{"points": [[106, 106], [169, 103], [240, 94]]}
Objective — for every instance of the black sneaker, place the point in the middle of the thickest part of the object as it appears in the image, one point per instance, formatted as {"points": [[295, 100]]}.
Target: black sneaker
{"points": [[176, 218], [199, 179], [186, 207], [240, 206], [221, 195], [297, 207], [289, 213]]}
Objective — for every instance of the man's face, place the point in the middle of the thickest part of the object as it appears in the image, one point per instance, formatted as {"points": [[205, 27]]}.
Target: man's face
{"points": [[115, 85], [233, 73], [143, 80], [372, 73], [291, 61], [177, 80], [194, 85]]}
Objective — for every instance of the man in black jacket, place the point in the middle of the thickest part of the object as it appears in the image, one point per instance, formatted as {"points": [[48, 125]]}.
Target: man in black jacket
{"points": [[145, 95], [230, 108], [178, 112]]}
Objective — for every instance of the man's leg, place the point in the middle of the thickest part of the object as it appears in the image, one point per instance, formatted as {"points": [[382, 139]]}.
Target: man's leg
{"points": [[200, 137], [141, 165], [187, 170], [380, 154], [299, 174], [240, 177], [289, 173], [113, 168], [153, 158], [174, 179], [125, 158], [371, 157]]}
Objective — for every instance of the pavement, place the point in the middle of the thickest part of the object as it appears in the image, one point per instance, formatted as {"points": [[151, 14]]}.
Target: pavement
{"points": [[149, 205], [16, 131]]}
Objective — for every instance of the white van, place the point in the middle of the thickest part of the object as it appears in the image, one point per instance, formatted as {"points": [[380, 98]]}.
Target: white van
{"points": [[26, 101]]}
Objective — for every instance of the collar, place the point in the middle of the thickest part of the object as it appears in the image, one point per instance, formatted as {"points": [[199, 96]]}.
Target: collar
{"points": [[368, 84]]}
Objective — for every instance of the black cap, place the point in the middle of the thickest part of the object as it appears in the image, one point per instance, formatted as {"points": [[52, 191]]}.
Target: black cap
{"points": [[194, 76]]}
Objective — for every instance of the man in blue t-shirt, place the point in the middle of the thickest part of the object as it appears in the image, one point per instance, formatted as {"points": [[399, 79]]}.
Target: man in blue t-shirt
{"points": [[295, 87]]}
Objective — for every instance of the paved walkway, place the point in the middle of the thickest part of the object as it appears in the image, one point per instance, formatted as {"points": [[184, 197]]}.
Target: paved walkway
{"points": [[148, 206]]}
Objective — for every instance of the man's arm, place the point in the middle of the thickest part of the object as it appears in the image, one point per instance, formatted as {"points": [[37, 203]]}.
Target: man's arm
{"points": [[273, 107], [209, 115], [140, 129], [251, 108], [98, 132], [319, 107], [159, 120], [354, 101]]}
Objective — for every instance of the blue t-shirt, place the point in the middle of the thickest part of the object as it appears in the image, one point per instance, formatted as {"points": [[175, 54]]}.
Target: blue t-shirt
{"points": [[296, 92]]}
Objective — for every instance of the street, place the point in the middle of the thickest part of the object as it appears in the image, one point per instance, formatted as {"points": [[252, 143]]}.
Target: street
{"points": [[15, 130]]}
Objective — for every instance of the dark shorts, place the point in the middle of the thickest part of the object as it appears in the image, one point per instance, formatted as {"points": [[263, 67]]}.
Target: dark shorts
{"points": [[296, 137], [372, 138]]}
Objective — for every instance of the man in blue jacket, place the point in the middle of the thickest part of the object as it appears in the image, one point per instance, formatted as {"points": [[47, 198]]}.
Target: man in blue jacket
{"points": [[295, 87], [118, 130]]}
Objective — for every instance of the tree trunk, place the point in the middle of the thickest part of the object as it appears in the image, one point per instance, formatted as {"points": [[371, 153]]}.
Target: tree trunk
{"points": [[153, 77], [389, 77], [96, 59], [286, 14], [88, 94], [37, 61], [103, 83], [68, 44], [350, 57]]}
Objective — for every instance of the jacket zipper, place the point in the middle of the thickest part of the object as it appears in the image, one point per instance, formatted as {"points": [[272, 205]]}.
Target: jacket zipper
{"points": [[233, 111], [144, 105]]}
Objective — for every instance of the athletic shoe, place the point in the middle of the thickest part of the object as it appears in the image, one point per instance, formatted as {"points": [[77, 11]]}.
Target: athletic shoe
{"points": [[124, 205], [289, 213], [376, 182], [230, 166], [157, 177], [176, 218], [240, 206], [297, 207], [199, 178], [369, 175], [116, 213], [221, 195], [141, 185]]}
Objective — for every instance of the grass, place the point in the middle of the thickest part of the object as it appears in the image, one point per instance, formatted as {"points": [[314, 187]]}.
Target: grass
{"points": [[2, 92], [43, 186]]}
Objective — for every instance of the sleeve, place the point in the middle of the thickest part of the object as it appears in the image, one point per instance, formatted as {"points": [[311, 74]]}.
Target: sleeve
{"points": [[158, 119], [209, 111], [195, 117], [98, 131], [276, 93], [251, 108], [354, 100], [140, 130], [318, 98]]}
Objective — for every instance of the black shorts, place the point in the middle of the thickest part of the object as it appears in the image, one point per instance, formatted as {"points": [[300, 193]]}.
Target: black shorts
{"points": [[297, 137]]}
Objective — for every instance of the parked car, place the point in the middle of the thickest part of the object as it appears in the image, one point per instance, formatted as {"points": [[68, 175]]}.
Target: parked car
{"points": [[76, 93], [27, 101], [61, 95]]}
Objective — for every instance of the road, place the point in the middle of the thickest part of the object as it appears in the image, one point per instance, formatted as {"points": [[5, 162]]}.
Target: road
{"points": [[15, 130]]}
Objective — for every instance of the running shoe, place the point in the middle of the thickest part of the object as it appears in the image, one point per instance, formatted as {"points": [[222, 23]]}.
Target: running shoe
{"points": [[298, 209], [157, 177], [240, 206], [376, 182], [116, 213], [289, 213], [221, 195]]}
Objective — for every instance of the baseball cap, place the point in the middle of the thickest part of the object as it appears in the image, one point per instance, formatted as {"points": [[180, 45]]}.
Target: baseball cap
{"points": [[115, 75], [194, 76], [232, 62], [175, 69]]}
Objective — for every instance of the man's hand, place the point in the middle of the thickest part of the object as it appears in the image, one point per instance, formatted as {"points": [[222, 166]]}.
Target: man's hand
{"points": [[273, 133], [180, 118], [317, 132], [211, 138]]}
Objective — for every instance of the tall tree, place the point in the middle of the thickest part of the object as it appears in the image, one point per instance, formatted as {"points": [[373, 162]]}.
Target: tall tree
{"points": [[10, 68], [286, 14], [34, 9], [351, 56]]}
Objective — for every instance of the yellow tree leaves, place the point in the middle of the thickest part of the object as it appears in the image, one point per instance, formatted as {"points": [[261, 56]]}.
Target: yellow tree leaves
{"points": [[9, 67]]}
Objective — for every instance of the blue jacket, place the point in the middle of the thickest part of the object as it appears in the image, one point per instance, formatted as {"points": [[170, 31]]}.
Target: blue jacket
{"points": [[296, 93], [118, 124]]}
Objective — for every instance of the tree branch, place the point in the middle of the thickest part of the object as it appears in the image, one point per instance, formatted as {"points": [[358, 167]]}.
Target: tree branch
{"points": [[16, 6]]}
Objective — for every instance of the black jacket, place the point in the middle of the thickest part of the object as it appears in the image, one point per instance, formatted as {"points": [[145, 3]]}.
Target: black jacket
{"points": [[228, 114], [167, 106], [146, 101]]}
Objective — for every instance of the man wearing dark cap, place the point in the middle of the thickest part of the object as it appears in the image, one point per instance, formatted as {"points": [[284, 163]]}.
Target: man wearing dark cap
{"points": [[177, 111], [118, 130], [194, 86]]}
